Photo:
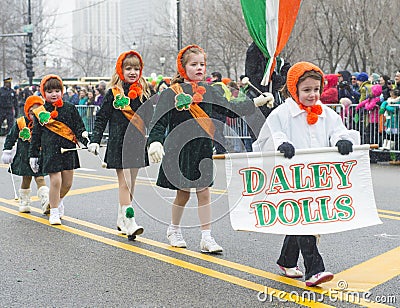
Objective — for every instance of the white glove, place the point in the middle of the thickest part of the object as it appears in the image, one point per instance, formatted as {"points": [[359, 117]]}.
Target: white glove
{"points": [[34, 162], [85, 135], [265, 98], [94, 148], [7, 156], [156, 152]]}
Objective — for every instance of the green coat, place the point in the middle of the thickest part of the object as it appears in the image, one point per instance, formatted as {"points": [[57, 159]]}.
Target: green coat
{"points": [[188, 148], [126, 146], [47, 145], [20, 165]]}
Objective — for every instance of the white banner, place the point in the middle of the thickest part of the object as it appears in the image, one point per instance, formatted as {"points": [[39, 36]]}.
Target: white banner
{"points": [[318, 191]]}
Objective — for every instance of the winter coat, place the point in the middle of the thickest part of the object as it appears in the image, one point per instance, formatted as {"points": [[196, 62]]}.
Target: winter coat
{"points": [[126, 145], [390, 109], [329, 94], [288, 123], [47, 145], [20, 165], [188, 148], [372, 103]]}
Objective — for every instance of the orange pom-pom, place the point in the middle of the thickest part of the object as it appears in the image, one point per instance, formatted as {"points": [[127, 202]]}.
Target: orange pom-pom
{"points": [[58, 103], [312, 118], [317, 109], [132, 94], [197, 98], [54, 114], [201, 90]]}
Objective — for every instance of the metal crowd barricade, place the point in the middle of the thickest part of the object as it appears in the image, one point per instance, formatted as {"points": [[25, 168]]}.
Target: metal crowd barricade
{"points": [[374, 128], [88, 115]]}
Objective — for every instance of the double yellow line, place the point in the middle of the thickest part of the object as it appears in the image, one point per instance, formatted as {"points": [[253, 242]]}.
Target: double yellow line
{"points": [[280, 295]]}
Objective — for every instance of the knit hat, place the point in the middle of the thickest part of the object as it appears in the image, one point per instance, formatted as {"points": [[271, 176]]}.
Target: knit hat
{"points": [[30, 101], [375, 77], [179, 65], [294, 74], [47, 78], [363, 76], [120, 61]]}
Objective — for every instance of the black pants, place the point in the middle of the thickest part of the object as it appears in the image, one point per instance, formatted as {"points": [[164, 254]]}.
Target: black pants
{"points": [[307, 245]]}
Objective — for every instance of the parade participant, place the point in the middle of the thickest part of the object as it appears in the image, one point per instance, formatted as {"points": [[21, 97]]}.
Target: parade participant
{"points": [[303, 122], [126, 110], [21, 133], [56, 125], [8, 104], [182, 126]]}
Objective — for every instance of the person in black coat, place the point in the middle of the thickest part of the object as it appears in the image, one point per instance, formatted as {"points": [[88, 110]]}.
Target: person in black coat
{"points": [[21, 134], [182, 125], [127, 111], [57, 125], [8, 105]]}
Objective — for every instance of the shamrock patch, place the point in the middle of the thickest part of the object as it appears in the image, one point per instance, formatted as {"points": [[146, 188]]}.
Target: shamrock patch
{"points": [[120, 101], [44, 117], [25, 134], [183, 101]]}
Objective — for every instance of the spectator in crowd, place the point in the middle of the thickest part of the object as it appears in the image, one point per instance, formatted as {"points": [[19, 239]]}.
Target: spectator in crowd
{"points": [[8, 105], [374, 78], [73, 97], [364, 85], [384, 82], [330, 93], [397, 79], [354, 85], [99, 93], [344, 76]]}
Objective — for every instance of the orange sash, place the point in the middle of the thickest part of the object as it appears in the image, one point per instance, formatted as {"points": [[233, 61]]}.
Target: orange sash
{"points": [[131, 115], [21, 123], [55, 126], [197, 113]]}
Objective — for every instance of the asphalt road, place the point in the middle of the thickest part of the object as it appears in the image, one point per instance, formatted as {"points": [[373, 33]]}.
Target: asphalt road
{"points": [[86, 263]]}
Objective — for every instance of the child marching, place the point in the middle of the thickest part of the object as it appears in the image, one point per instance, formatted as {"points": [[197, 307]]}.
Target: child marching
{"points": [[182, 127], [21, 134], [303, 122], [127, 112], [56, 125]]}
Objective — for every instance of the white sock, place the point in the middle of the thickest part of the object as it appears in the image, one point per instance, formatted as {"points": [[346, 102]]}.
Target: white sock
{"points": [[61, 201], [174, 228], [205, 234]]}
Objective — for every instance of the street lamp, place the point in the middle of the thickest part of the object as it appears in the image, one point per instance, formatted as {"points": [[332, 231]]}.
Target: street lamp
{"points": [[162, 62]]}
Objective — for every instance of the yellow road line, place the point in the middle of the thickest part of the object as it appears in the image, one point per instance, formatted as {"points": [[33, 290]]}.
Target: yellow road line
{"points": [[389, 212], [331, 291], [380, 269], [177, 262], [389, 216]]}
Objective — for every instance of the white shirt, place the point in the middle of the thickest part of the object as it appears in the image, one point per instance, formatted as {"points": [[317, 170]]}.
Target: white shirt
{"points": [[288, 123]]}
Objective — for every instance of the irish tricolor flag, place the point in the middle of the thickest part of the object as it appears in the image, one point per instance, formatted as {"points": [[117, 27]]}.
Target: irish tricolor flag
{"points": [[270, 23]]}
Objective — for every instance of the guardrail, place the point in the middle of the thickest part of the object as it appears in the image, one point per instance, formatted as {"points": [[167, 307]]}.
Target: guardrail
{"points": [[374, 128]]}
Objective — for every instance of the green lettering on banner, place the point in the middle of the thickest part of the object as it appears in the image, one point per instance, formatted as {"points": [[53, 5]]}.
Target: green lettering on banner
{"points": [[345, 210], [295, 212], [298, 175], [278, 179], [321, 178], [344, 175], [264, 210], [323, 204], [305, 204], [253, 180]]}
